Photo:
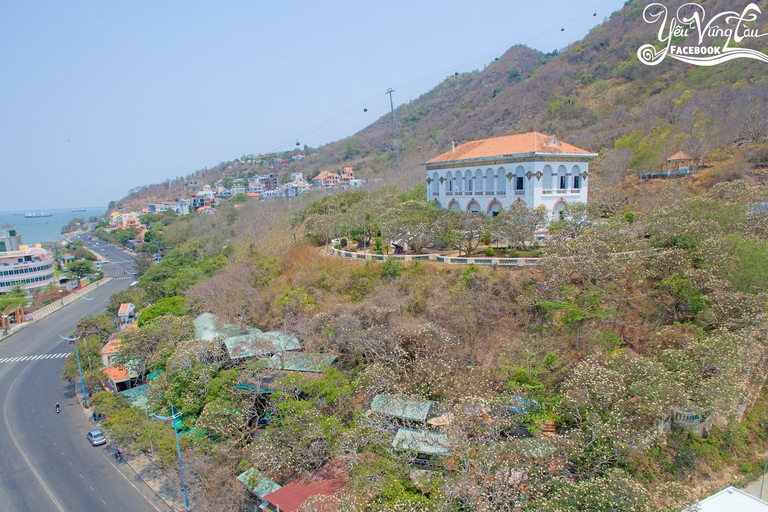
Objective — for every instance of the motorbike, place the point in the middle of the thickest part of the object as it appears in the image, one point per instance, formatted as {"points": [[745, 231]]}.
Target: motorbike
{"points": [[57, 408], [118, 455]]}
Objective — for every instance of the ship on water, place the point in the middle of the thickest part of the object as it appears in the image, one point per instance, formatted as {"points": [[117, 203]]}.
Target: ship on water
{"points": [[37, 215], [77, 210]]}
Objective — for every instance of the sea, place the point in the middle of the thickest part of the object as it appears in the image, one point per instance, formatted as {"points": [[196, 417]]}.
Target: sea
{"points": [[46, 229]]}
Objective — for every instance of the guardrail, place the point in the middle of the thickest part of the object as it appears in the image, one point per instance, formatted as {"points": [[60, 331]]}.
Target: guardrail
{"points": [[451, 260]]}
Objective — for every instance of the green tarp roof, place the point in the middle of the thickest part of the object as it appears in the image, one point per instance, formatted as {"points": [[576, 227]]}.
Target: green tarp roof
{"points": [[137, 396], [300, 362], [257, 483], [422, 441], [154, 375], [402, 408]]}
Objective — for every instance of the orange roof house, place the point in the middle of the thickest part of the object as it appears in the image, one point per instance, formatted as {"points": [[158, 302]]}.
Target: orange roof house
{"points": [[488, 175], [680, 155], [110, 351], [531, 143]]}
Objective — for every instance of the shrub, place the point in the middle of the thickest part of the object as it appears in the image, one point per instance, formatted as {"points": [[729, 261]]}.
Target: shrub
{"points": [[490, 252], [392, 268]]}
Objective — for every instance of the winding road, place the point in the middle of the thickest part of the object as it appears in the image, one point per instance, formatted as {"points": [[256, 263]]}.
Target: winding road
{"points": [[46, 463]]}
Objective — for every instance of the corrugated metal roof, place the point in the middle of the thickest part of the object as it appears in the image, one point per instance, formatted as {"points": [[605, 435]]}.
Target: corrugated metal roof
{"points": [[260, 345], [302, 362], [422, 441], [402, 408], [251, 343], [137, 396], [257, 483]]}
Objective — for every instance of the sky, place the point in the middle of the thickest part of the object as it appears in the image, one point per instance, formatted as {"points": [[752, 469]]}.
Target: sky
{"points": [[99, 97]]}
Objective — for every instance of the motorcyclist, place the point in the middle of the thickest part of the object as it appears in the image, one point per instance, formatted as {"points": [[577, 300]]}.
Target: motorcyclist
{"points": [[118, 453], [58, 407]]}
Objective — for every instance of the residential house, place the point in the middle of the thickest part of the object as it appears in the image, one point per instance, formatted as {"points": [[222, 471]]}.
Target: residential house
{"points": [[326, 179], [126, 314], [326, 482], [487, 175]]}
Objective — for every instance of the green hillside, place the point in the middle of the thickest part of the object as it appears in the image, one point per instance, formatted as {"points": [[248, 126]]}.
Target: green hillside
{"points": [[595, 94]]}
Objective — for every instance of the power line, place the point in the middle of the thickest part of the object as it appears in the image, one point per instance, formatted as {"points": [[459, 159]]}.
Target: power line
{"points": [[363, 104]]}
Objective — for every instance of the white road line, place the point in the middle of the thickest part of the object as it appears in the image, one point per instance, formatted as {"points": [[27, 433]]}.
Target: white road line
{"points": [[16, 443], [36, 357]]}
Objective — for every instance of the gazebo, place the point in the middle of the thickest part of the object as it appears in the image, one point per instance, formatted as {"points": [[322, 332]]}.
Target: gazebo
{"points": [[680, 161], [15, 311]]}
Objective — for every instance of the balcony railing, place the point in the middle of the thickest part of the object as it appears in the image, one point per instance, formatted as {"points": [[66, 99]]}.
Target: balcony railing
{"points": [[479, 193], [449, 193], [501, 193], [519, 192], [489, 192], [435, 194]]}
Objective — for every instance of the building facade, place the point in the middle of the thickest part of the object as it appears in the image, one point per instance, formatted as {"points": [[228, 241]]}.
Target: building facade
{"points": [[488, 175], [26, 267]]}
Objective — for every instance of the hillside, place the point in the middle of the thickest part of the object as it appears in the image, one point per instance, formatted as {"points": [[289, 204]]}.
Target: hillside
{"points": [[594, 94]]}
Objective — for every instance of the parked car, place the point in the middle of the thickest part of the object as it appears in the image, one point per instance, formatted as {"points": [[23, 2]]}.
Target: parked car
{"points": [[96, 437]]}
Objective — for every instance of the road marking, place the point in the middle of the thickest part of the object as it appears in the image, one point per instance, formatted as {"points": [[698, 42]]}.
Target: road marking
{"points": [[16, 443], [39, 357]]}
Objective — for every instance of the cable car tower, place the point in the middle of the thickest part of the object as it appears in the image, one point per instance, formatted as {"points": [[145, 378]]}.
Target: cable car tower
{"points": [[396, 144]]}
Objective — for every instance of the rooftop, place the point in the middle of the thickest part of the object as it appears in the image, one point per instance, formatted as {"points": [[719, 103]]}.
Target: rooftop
{"points": [[303, 362], [403, 408], [116, 373], [422, 441], [257, 483], [510, 145], [728, 500]]}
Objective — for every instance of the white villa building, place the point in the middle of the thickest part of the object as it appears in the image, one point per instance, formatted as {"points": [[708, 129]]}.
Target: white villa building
{"points": [[490, 174]]}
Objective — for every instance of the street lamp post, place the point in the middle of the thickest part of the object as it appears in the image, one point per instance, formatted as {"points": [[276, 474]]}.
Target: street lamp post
{"points": [[173, 417], [72, 341], [5, 325], [89, 299]]}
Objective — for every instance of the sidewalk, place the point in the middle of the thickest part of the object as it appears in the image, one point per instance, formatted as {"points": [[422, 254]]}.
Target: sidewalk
{"points": [[165, 487], [50, 308]]}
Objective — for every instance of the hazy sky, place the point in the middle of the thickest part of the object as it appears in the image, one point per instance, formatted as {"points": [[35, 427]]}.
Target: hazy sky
{"points": [[99, 97]]}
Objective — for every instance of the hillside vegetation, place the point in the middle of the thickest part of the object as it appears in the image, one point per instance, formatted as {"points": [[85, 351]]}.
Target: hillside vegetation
{"points": [[594, 94]]}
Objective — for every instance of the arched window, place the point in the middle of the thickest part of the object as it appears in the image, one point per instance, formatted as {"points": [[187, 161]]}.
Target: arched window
{"points": [[576, 177], [449, 183], [459, 182], [473, 207], [548, 185], [437, 204], [559, 210], [562, 179], [470, 181], [454, 205], [502, 181], [490, 180], [520, 180], [495, 208], [435, 184], [478, 182]]}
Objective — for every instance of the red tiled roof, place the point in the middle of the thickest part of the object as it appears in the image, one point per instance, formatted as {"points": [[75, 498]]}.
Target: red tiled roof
{"points": [[116, 373], [290, 497], [523, 143], [112, 347], [124, 308], [680, 155]]}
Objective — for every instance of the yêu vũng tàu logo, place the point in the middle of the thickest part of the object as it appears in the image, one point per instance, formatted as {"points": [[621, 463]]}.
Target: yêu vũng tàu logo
{"points": [[729, 26]]}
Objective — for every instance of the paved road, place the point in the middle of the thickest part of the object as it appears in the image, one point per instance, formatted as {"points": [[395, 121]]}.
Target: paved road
{"points": [[46, 464]]}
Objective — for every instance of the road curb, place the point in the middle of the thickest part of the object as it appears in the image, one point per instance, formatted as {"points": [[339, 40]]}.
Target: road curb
{"points": [[89, 416], [51, 308]]}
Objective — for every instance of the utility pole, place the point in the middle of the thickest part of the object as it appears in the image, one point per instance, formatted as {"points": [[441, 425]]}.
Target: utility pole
{"points": [[73, 341], [395, 134], [173, 417]]}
